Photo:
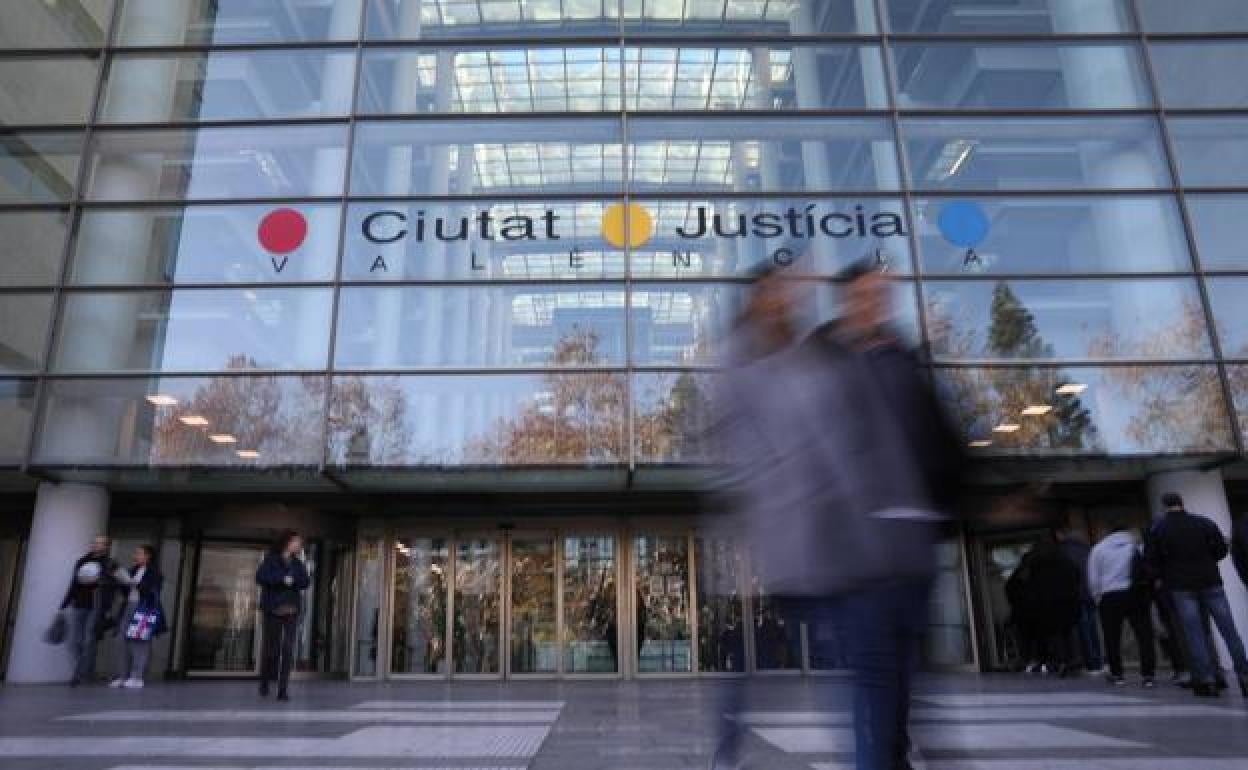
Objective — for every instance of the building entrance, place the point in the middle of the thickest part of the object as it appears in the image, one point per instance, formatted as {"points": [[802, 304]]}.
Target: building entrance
{"points": [[224, 636]]}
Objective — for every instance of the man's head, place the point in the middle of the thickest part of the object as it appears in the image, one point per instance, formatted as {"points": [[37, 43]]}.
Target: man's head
{"points": [[771, 302], [1172, 501], [867, 298], [101, 545]]}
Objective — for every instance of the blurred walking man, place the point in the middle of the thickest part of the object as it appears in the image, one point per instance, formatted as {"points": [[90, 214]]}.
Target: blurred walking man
{"points": [[842, 465]]}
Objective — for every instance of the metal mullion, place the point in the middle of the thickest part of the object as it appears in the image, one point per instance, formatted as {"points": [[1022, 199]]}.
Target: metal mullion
{"points": [[1036, 277], [218, 47], [150, 374], [1189, 230], [71, 233], [195, 125], [626, 159], [191, 203], [123, 288], [339, 252], [1111, 363]]}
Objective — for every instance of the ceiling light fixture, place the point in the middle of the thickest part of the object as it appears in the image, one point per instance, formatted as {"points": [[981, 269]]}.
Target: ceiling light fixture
{"points": [[193, 420], [1037, 410], [223, 438], [1071, 388], [1007, 427], [247, 454], [159, 399]]}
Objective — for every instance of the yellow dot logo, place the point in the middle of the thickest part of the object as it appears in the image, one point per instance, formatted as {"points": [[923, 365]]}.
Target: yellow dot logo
{"points": [[626, 225]]}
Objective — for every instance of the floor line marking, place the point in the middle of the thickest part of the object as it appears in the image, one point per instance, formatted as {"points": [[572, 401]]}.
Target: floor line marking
{"points": [[351, 717], [518, 705], [834, 740]]}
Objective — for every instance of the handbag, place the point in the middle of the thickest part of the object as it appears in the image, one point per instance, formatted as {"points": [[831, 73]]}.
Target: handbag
{"points": [[57, 630], [143, 624]]}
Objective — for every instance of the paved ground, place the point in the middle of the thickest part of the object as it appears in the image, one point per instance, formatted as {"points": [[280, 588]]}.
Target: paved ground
{"points": [[962, 722]]}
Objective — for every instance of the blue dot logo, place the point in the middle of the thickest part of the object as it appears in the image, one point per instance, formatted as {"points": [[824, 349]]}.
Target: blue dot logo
{"points": [[963, 223]]}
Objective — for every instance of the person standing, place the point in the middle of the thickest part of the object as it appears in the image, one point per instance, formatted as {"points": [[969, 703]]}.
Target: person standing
{"points": [[1075, 548], [87, 600], [842, 465], [1118, 583], [1185, 550], [282, 578], [1050, 593], [143, 581]]}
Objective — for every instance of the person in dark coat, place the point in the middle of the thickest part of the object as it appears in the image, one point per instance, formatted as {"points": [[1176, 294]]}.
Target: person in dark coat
{"points": [[1049, 597], [1185, 550], [87, 601], [283, 579], [141, 584], [1074, 547]]}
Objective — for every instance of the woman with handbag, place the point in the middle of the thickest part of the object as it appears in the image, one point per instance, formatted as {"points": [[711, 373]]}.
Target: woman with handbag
{"points": [[282, 578], [142, 618]]}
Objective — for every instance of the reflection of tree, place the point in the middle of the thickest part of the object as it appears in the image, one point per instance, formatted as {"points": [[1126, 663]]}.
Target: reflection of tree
{"points": [[368, 421], [986, 398], [582, 416], [272, 415], [673, 429], [1173, 407]]}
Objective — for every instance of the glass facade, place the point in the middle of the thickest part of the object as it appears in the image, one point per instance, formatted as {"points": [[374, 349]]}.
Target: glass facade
{"points": [[465, 233], [470, 238]]}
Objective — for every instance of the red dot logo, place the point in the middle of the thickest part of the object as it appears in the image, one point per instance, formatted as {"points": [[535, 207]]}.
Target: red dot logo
{"points": [[282, 231]]}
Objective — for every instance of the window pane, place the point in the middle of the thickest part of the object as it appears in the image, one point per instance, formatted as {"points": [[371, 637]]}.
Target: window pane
{"points": [[225, 420], [1211, 151], [763, 154], [494, 326], [441, 19], [418, 644], [1035, 153], [534, 625], [23, 331], [1194, 16], [687, 324], [40, 24], [751, 17], [296, 161], [1230, 313], [1220, 225], [17, 405], [486, 156], [476, 640], [1017, 16], [1068, 319], [225, 85], [673, 416], [194, 330], [45, 91], [487, 240], [1066, 234], [532, 78], [1239, 391], [713, 238], [31, 243], [590, 622], [202, 22], [38, 168], [721, 616], [206, 244], [559, 418], [1203, 74], [755, 77], [1123, 410], [1019, 76], [661, 572]]}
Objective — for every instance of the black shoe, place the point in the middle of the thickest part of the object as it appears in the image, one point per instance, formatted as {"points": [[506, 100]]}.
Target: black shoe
{"points": [[1243, 687], [1117, 681], [1149, 683], [283, 695], [1204, 691], [264, 689]]}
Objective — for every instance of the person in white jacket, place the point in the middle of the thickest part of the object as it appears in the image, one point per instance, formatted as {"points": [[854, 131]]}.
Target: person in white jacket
{"points": [[1111, 569]]}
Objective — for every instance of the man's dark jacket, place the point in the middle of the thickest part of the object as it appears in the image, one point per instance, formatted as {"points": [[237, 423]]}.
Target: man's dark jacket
{"points": [[1185, 551], [272, 574]]}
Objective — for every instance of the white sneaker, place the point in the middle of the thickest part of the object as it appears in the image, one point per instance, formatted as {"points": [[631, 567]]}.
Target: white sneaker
{"points": [[133, 684], [118, 682]]}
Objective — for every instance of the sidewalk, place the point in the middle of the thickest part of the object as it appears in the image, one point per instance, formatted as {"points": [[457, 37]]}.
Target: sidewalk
{"points": [[962, 722]]}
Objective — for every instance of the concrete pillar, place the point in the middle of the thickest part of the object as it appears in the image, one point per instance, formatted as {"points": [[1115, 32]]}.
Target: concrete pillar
{"points": [[1205, 495], [67, 517]]}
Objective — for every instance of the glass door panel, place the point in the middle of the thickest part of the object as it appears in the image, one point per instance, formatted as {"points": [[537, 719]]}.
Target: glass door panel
{"points": [[590, 611], [777, 631], [418, 635], [223, 634], [662, 602], [534, 627], [369, 575], [721, 614], [476, 643]]}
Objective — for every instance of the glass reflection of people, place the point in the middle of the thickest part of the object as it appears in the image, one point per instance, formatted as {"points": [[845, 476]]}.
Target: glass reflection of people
{"points": [[845, 518], [283, 579]]}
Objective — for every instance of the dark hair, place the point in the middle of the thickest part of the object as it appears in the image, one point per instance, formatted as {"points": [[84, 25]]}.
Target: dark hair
{"points": [[283, 540], [150, 550], [859, 268], [1172, 500], [1118, 525]]}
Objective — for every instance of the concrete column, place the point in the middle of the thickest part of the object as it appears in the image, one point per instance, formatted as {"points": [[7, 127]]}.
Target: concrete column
{"points": [[1205, 495], [67, 517]]}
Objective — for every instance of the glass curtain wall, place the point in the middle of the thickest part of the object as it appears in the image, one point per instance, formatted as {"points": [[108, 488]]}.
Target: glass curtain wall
{"points": [[414, 234]]}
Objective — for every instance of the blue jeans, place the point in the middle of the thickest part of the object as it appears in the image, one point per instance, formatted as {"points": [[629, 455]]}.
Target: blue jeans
{"points": [[1089, 639], [83, 624], [1191, 605], [883, 630]]}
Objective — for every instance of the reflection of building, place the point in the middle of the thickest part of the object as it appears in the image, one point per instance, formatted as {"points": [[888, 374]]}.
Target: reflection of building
{"points": [[254, 273]]}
